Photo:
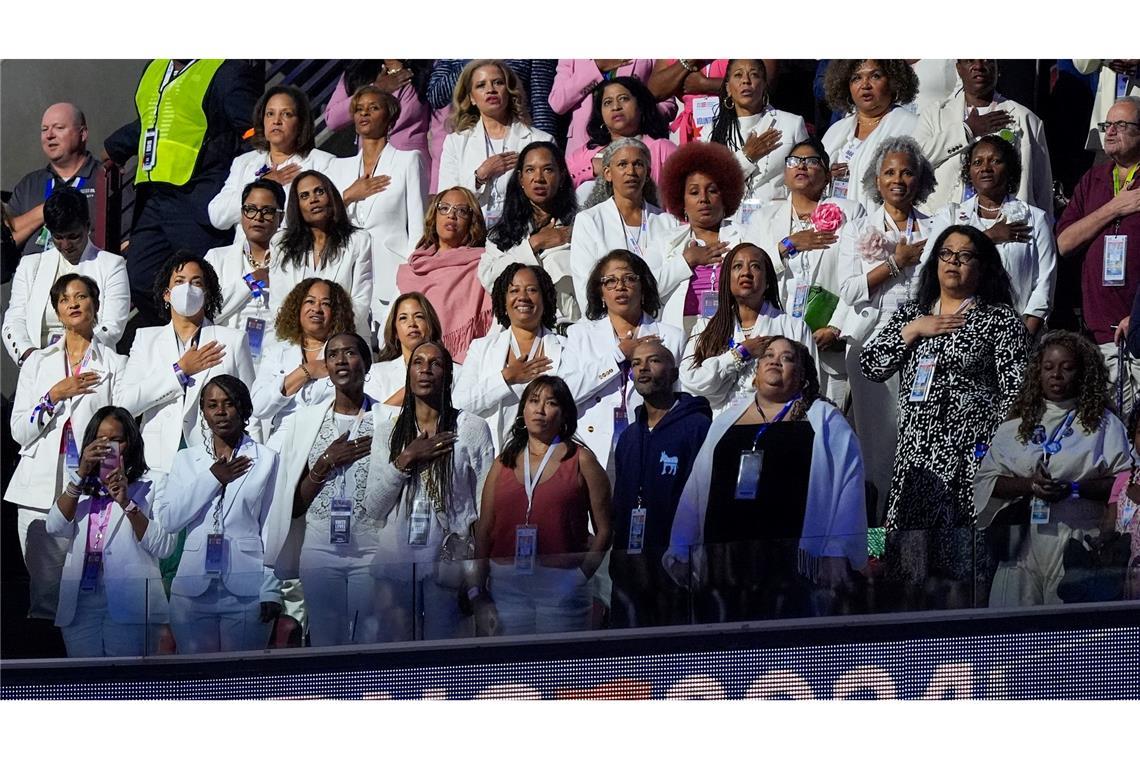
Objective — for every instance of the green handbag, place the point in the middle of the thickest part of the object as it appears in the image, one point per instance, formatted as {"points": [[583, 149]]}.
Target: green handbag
{"points": [[820, 307]]}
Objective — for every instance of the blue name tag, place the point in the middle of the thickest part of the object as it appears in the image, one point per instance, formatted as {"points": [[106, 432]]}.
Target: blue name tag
{"points": [[340, 521], [215, 552], [255, 331]]}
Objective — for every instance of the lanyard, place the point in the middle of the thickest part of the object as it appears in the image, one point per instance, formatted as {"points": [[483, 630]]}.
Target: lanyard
{"points": [[97, 521], [528, 484], [67, 369], [1053, 444], [488, 145], [635, 243], [765, 425], [49, 186], [342, 476], [1117, 185], [911, 223], [533, 346]]}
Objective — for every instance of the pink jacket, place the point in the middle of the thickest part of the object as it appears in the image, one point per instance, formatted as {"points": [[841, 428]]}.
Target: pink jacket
{"points": [[582, 168], [573, 83], [408, 133]]}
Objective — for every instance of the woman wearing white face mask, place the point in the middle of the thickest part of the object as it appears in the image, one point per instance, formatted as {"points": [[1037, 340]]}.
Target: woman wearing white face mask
{"points": [[169, 365]]}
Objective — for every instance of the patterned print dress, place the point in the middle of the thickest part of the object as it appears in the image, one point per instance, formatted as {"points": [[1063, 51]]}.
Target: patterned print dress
{"points": [[977, 375]]}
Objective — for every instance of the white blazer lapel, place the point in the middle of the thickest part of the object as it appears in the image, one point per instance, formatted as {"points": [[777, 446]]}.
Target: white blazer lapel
{"points": [[234, 488], [38, 298]]}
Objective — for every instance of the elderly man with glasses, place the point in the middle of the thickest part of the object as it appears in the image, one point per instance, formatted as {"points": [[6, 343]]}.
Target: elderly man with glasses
{"points": [[1102, 224]]}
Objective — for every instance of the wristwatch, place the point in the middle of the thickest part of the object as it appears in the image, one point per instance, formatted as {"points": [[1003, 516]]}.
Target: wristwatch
{"points": [[131, 508]]}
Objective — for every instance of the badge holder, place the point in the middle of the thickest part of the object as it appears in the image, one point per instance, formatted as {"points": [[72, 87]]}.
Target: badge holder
{"points": [[92, 566], [710, 302], [1115, 256], [621, 421], [340, 521], [637, 530], [748, 476], [150, 144], [71, 451], [215, 553], [799, 300], [839, 187], [255, 331], [748, 207], [1038, 511], [526, 546], [920, 389], [420, 525]]}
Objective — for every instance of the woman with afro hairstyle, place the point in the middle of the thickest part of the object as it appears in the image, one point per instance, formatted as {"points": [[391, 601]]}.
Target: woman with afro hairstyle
{"points": [[1060, 451]]}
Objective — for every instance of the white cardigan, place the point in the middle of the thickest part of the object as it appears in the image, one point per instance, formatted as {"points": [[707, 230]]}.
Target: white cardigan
{"points": [[720, 379], [188, 502], [393, 218], [131, 577], [31, 297], [225, 208], [895, 123], [835, 522], [463, 152], [595, 338], [944, 137], [38, 474], [151, 389], [1032, 265], [600, 229], [352, 270], [390, 494]]}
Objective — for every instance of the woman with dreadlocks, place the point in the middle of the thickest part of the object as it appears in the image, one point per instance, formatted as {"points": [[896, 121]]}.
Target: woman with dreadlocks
{"points": [[426, 483], [774, 505], [1060, 451]]}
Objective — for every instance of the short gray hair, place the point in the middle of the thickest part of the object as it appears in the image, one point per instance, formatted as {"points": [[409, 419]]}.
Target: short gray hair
{"points": [[1132, 100], [908, 146], [603, 190]]}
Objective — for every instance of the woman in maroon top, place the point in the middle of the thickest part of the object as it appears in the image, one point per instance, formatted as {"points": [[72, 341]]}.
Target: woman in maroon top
{"points": [[533, 524]]}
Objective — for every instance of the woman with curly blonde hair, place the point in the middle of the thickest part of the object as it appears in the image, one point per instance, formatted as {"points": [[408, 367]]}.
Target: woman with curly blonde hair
{"points": [[292, 372], [872, 93], [1059, 454], [490, 124]]}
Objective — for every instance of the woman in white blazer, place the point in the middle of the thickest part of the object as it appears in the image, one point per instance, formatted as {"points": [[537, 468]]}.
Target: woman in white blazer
{"points": [[243, 266], [428, 465], [620, 214], [411, 321], [621, 308], [499, 365], [320, 527], [1022, 232], [490, 123], [538, 217], [702, 186], [168, 365], [801, 236], [222, 599], [30, 321], [759, 135], [284, 140], [383, 189], [293, 374], [59, 389], [947, 130], [112, 602], [878, 272], [720, 357], [320, 241], [872, 92]]}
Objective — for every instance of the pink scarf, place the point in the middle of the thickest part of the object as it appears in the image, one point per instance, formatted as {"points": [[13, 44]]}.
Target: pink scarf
{"points": [[450, 282]]}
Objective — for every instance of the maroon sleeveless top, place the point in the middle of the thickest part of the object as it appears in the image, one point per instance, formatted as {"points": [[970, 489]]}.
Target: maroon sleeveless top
{"points": [[561, 512]]}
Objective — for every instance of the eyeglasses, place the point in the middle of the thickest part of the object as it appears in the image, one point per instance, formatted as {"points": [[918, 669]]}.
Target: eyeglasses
{"points": [[263, 213], [1119, 126], [958, 257], [794, 162], [466, 212], [610, 281]]}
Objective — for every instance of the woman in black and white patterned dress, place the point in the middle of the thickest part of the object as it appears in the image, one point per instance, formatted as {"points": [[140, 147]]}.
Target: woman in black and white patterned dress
{"points": [[961, 351]]}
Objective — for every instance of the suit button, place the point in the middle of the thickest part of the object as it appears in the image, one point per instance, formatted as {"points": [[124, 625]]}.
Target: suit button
{"points": [[590, 429], [597, 399]]}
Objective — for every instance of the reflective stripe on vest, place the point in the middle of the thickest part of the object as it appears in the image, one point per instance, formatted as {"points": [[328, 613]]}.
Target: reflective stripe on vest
{"points": [[177, 112]]}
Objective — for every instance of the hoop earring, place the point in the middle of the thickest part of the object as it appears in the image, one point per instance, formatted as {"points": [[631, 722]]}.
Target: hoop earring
{"points": [[729, 103]]}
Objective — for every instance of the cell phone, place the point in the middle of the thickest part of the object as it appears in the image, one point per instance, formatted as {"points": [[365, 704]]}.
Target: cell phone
{"points": [[111, 461]]}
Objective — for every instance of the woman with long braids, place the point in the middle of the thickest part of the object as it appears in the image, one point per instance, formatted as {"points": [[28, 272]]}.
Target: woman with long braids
{"points": [[426, 482], [223, 599], [1061, 449], [759, 135], [774, 505], [320, 241], [720, 358]]}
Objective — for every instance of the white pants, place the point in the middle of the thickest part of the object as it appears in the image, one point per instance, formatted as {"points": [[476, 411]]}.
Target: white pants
{"points": [[92, 632], [217, 621], [340, 597], [44, 556], [875, 407], [421, 610], [552, 600]]}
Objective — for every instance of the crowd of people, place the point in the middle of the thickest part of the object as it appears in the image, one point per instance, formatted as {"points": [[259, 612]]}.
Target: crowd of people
{"points": [[569, 343]]}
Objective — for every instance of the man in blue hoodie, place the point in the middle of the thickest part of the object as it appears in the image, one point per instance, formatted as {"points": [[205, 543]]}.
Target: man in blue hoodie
{"points": [[652, 462]]}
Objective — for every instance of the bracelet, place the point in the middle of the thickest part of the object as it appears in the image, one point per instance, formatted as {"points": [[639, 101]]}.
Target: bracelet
{"points": [[687, 65], [893, 266], [789, 247], [44, 407], [72, 490], [743, 352], [1075, 490], [131, 508], [308, 374], [317, 480], [183, 379], [408, 470]]}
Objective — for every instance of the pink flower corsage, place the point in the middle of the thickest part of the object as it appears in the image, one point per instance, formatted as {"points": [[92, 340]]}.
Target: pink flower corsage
{"points": [[827, 217], [874, 246]]}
